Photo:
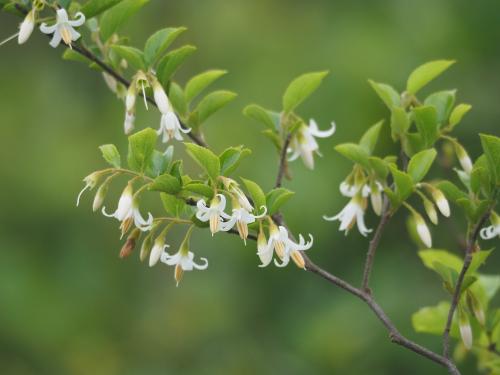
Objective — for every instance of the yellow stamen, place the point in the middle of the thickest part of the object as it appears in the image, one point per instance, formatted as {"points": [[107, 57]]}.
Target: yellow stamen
{"points": [[178, 273]]}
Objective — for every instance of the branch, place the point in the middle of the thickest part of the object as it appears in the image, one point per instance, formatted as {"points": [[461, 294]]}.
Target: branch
{"points": [[283, 162], [370, 255], [467, 261]]}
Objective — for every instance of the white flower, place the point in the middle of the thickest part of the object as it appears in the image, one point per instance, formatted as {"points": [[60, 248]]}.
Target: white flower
{"points": [[128, 212], [375, 192], [431, 211], [161, 98], [304, 145], [284, 247], [63, 28], [465, 328], [493, 230], [128, 124], [183, 260], [214, 214], [352, 213], [441, 202], [241, 217], [110, 82], [423, 230], [26, 27], [157, 250], [171, 128], [463, 158]]}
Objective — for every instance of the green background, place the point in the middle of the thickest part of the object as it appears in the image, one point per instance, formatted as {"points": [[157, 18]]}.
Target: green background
{"points": [[69, 305]]}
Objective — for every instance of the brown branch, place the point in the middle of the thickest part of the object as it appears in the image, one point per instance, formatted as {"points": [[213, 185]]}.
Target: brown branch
{"points": [[283, 162], [467, 261], [372, 248]]}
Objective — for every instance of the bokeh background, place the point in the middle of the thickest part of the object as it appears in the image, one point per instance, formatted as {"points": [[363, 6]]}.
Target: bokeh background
{"points": [[68, 305]]}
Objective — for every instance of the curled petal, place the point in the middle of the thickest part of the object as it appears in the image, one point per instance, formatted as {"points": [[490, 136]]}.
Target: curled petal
{"points": [[46, 29], [87, 186], [56, 39], [314, 130], [201, 266], [79, 21]]}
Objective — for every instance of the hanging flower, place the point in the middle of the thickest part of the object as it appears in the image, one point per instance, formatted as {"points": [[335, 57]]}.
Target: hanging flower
{"points": [[303, 142], [63, 28], [170, 127], [242, 217], [90, 182], [128, 212], [214, 214], [422, 229], [26, 27], [493, 230], [352, 213], [463, 158], [183, 260]]}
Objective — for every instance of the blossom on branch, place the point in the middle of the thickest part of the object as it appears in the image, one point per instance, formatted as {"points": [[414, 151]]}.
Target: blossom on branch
{"points": [[63, 29]]}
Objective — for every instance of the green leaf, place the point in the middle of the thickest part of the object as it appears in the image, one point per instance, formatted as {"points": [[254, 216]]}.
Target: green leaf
{"points": [[177, 98], [276, 198], [369, 139], [93, 8], [200, 82], [425, 73], [274, 137], [354, 153], [420, 164], [443, 101], [205, 159], [212, 103], [159, 164], [379, 166], [389, 96], [432, 319], [172, 205], [258, 197], [451, 191], [140, 149], [231, 157], [111, 155], [458, 113], [200, 189], [169, 63], [300, 89], [403, 182], [118, 15], [400, 122], [260, 114], [427, 124], [431, 257], [491, 147], [133, 56], [166, 183], [478, 259], [159, 42], [70, 54]]}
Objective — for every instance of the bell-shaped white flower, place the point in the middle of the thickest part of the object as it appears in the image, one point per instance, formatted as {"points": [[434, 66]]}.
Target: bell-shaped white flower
{"points": [[161, 98], [422, 230], [493, 230], [170, 127], [26, 27], [241, 217], [352, 213], [183, 260], [284, 247], [63, 29], [128, 124], [128, 212], [214, 214], [157, 250], [465, 328], [304, 144]]}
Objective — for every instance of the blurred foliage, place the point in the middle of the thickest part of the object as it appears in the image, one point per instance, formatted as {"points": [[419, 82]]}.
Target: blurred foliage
{"points": [[70, 306]]}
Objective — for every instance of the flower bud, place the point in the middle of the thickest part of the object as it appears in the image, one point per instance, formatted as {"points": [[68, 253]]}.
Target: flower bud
{"points": [[159, 246], [422, 230], [129, 245], [465, 328], [431, 211], [161, 98], [26, 27], [376, 199], [476, 308], [130, 97], [146, 247], [128, 124], [441, 201], [110, 82], [463, 158], [100, 195]]}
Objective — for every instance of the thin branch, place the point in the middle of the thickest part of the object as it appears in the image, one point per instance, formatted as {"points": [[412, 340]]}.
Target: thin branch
{"points": [[283, 162], [370, 255], [467, 261]]}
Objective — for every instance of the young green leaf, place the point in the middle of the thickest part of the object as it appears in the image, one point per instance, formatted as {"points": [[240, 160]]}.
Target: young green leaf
{"points": [[140, 149], [403, 182], [458, 113], [200, 82], [200, 189], [205, 159], [71, 55], [177, 98], [132, 55], [491, 147], [158, 164], [431, 257], [116, 16], [379, 166], [212, 103], [427, 124], [370, 138], [443, 101], [400, 122], [354, 153], [93, 8], [425, 73], [166, 183], [420, 164], [389, 96], [451, 191], [300, 89], [276, 198], [172, 205], [230, 159], [159, 42], [258, 197], [261, 115], [111, 155], [433, 319], [169, 63]]}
